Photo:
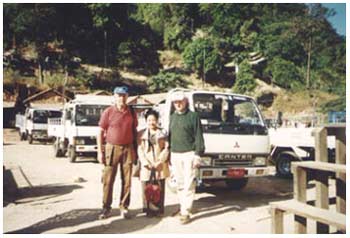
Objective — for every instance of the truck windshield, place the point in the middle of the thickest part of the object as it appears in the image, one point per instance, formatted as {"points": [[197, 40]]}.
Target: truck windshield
{"points": [[41, 116], [88, 115], [228, 114]]}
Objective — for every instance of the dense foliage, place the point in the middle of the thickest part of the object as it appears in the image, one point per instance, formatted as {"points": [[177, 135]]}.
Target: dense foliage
{"points": [[165, 81], [294, 45]]}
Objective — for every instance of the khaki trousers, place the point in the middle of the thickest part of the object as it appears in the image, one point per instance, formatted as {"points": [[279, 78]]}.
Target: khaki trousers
{"points": [[117, 155], [185, 178]]}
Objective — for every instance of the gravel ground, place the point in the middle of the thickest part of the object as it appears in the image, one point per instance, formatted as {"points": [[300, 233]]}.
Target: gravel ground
{"points": [[51, 199]]}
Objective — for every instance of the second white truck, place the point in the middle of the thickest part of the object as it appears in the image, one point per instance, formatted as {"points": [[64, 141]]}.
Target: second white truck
{"points": [[76, 131]]}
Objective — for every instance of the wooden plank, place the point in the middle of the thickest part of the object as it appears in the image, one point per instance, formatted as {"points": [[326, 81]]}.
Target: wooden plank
{"points": [[276, 221], [322, 201], [321, 151], [335, 168], [340, 158], [331, 218]]}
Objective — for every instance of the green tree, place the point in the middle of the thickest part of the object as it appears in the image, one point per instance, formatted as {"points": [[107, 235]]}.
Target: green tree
{"points": [[201, 56], [245, 82], [284, 73]]}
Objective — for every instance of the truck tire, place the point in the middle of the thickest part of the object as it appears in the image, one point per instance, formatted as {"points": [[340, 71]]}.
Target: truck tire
{"points": [[72, 155], [56, 148], [30, 139], [236, 184], [283, 164]]}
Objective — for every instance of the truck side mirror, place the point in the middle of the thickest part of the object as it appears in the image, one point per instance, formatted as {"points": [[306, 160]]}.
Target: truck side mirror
{"points": [[68, 115]]}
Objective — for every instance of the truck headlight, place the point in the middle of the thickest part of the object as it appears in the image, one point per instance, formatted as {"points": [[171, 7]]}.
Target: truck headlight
{"points": [[259, 161], [206, 161]]}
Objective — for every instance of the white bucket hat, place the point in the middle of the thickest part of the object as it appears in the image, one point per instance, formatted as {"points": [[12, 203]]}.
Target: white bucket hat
{"points": [[178, 96]]}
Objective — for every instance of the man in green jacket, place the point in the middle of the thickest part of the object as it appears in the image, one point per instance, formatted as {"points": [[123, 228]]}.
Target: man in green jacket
{"points": [[186, 146]]}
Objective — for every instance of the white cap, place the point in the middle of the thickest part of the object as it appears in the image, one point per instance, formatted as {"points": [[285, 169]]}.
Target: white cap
{"points": [[178, 96]]}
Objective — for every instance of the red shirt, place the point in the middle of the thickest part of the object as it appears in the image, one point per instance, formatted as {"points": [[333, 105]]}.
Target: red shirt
{"points": [[118, 125]]}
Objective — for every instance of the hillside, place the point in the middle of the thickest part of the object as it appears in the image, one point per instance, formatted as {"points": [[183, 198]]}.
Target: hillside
{"points": [[271, 98]]}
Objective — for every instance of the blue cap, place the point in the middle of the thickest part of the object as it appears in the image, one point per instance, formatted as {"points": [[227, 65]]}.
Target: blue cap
{"points": [[121, 90]]}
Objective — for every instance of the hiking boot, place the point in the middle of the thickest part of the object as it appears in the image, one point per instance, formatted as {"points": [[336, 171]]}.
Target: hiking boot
{"points": [[105, 213], [176, 213], [124, 213], [184, 219]]}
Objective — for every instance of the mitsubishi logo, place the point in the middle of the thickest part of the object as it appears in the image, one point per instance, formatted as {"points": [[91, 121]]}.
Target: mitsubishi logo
{"points": [[236, 145]]}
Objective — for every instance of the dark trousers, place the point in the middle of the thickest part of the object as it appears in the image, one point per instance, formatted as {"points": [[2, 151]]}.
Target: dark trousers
{"points": [[162, 196], [117, 155]]}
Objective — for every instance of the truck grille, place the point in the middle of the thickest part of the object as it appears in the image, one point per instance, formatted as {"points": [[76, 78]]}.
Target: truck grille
{"points": [[225, 163], [89, 140]]}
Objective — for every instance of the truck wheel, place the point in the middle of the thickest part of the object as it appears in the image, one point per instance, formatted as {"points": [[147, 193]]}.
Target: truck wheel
{"points": [[236, 184], [30, 139], [56, 149], [283, 165], [72, 155]]}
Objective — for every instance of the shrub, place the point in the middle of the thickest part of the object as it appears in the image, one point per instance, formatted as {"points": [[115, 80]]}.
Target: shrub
{"points": [[285, 73], [164, 81]]}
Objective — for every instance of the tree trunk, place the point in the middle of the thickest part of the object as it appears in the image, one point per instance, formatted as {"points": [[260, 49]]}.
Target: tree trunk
{"points": [[41, 73], [308, 65]]}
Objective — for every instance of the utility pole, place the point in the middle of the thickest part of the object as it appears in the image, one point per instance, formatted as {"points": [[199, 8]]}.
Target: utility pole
{"points": [[105, 50], [203, 67]]}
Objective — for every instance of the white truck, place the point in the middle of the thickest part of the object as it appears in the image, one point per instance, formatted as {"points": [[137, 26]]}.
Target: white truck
{"points": [[76, 131], [235, 135], [32, 125], [295, 144]]}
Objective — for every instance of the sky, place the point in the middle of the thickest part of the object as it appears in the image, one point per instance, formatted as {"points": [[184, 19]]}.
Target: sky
{"points": [[339, 20]]}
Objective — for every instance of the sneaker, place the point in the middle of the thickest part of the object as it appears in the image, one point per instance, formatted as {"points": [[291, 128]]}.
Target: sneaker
{"points": [[105, 213], [124, 212], [184, 219]]}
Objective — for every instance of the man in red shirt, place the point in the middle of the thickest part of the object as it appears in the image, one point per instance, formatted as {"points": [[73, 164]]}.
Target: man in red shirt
{"points": [[118, 132]]}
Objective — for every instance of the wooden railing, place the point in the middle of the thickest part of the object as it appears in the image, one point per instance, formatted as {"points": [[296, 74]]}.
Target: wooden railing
{"points": [[319, 170]]}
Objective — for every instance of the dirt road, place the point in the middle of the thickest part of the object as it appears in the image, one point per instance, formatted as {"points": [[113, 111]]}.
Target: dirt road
{"points": [[52, 200]]}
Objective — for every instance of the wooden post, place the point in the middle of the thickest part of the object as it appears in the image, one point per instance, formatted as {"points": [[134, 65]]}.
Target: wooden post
{"points": [[300, 186], [276, 221], [322, 201], [321, 155], [321, 148]]}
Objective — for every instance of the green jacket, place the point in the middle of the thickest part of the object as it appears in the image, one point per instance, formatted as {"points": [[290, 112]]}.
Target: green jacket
{"points": [[186, 133]]}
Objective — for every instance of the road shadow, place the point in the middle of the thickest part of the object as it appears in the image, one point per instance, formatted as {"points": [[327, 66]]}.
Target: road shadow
{"points": [[40, 193], [259, 192], [81, 216], [121, 226]]}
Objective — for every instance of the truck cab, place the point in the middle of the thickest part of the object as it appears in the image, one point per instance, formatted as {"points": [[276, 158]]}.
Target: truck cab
{"points": [[76, 131], [34, 123], [236, 138]]}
